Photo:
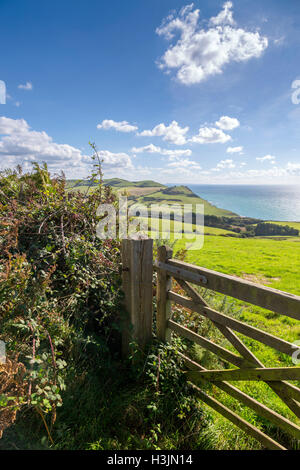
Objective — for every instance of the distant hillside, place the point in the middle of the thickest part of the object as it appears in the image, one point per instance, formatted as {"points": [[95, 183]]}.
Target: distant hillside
{"points": [[120, 183], [116, 183], [149, 192], [181, 195], [182, 190]]}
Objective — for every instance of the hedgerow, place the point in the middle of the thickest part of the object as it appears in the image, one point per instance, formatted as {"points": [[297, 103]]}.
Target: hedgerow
{"points": [[60, 297]]}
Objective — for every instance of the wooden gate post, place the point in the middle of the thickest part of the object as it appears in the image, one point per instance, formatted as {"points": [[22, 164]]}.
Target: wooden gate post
{"points": [[164, 284], [137, 259]]}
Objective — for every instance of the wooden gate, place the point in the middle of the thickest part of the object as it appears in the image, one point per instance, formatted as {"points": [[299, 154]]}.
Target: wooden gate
{"points": [[247, 366]]}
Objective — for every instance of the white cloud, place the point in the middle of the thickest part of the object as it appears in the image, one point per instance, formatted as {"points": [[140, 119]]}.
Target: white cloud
{"points": [[210, 135], [293, 168], [270, 158], [154, 149], [235, 150], [279, 41], [185, 163], [225, 15], [269, 174], [121, 126], [26, 86], [21, 145], [266, 176], [227, 123], [200, 53], [115, 160], [181, 167], [10, 126], [177, 161], [225, 164], [172, 133]]}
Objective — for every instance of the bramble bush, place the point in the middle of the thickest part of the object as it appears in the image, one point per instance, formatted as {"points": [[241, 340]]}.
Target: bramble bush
{"points": [[60, 297]]}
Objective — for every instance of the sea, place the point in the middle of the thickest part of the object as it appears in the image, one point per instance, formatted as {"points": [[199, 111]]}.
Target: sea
{"points": [[267, 202]]}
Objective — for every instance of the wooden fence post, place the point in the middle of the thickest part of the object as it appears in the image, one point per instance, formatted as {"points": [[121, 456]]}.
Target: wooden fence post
{"points": [[164, 284], [137, 260]]}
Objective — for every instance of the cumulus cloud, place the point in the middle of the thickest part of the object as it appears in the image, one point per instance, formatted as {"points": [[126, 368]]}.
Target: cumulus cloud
{"points": [[225, 16], [210, 135], [121, 126], [178, 168], [227, 123], [201, 52], [271, 174], [293, 168], [185, 163], [235, 150], [27, 86], [19, 144], [154, 149], [115, 160], [270, 158], [172, 133], [225, 164]]}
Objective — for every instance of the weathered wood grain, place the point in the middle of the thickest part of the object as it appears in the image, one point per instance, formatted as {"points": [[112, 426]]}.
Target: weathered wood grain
{"points": [[164, 285], [137, 259], [256, 374]]}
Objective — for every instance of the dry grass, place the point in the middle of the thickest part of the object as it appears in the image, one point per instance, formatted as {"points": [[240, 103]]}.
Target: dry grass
{"points": [[12, 386], [138, 191]]}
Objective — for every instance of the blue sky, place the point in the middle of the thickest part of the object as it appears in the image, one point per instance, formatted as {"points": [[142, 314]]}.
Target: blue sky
{"points": [[169, 90]]}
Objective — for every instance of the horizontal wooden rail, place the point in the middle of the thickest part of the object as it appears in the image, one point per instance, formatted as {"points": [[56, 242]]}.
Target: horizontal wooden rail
{"points": [[186, 275], [209, 345], [265, 297], [267, 441], [271, 373], [250, 331], [242, 397]]}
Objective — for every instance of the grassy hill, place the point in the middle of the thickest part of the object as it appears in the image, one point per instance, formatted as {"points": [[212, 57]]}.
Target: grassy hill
{"points": [[181, 195], [149, 192], [116, 183]]}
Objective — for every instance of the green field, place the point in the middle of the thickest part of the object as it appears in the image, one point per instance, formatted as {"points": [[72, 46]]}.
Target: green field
{"points": [[176, 227], [278, 262]]}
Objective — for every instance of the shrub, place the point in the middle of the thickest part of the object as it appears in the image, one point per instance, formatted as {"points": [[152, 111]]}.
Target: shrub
{"points": [[59, 288]]}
